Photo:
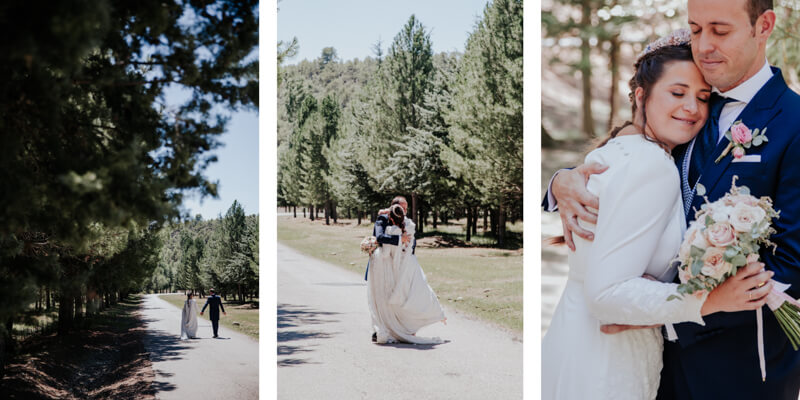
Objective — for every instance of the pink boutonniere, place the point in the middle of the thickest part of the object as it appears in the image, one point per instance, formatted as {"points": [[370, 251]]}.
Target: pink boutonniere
{"points": [[742, 138]]}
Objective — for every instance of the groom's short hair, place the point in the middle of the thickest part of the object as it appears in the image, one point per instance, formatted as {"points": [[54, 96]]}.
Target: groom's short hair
{"points": [[399, 199], [757, 7]]}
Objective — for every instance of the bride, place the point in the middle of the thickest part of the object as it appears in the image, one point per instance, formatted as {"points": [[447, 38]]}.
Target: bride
{"points": [[638, 231], [400, 300], [189, 318]]}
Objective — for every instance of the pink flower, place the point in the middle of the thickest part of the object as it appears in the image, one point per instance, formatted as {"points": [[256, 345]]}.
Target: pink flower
{"points": [[714, 264], [720, 234], [741, 134], [738, 152]]}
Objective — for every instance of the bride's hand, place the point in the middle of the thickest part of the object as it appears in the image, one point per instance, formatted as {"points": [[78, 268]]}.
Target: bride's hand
{"points": [[747, 290], [610, 329], [406, 239]]}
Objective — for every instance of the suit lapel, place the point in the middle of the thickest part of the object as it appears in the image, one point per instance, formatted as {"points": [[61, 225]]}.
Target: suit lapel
{"points": [[757, 114]]}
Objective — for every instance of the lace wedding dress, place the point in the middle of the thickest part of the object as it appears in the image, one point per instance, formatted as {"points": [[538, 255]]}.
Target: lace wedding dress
{"points": [[639, 228], [400, 300], [189, 319]]}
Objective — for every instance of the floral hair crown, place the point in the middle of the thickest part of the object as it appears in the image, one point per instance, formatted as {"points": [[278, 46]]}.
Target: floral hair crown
{"points": [[679, 37]]}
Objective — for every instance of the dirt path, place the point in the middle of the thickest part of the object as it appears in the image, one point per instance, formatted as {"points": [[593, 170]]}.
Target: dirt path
{"points": [[203, 368], [325, 352]]}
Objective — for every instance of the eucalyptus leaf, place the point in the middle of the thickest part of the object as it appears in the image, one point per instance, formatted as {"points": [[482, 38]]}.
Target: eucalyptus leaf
{"points": [[700, 190]]}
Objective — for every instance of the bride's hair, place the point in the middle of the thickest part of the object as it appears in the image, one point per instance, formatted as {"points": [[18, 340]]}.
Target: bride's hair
{"points": [[397, 216], [649, 68], [189, 295]]}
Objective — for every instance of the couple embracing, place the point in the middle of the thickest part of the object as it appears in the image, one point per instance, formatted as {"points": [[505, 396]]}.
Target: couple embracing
{"points": [[400, 300], [629, 204]]}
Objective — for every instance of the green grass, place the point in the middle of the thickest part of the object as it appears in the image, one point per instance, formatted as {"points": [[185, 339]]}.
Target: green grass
{"points": [[246, 314], [481, 281]]}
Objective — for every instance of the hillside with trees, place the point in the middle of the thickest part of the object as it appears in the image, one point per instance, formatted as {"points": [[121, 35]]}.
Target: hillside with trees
{"points": [[445, 130]]}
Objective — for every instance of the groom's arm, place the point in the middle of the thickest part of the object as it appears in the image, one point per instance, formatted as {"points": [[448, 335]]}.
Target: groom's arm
{"points": [[221, 306], [204, 307], [785, 261], [380, 232]]}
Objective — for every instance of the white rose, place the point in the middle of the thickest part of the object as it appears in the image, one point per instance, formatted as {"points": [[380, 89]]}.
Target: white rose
{"points": [[721, 213], [744, 217], [698, 239]]}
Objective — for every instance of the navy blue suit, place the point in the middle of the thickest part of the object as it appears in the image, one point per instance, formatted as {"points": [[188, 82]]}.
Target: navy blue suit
{"points": [[720, 360], [379, 231], [215, 303]]}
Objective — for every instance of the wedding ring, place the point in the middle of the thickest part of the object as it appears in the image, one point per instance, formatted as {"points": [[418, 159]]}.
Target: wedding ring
{"points": [[762, 284], [750, 295]]}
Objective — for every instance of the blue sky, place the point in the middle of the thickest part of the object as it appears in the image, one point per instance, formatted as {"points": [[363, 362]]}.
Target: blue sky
{"points": [[352, 27], [236, 169]]}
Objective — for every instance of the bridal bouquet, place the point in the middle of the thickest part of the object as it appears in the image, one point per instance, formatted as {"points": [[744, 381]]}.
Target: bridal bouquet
{"points": [[726, 235], [369, 244]]}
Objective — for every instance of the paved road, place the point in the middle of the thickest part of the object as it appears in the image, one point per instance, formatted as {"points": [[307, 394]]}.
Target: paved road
{"points": [[325, 352], [202, 368]]}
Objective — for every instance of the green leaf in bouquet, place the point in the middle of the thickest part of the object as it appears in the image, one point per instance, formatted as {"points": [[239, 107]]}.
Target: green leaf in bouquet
{"points": [[697, 265], [696, 252], [757, 141], [731, 252], [746, 145], [729, 136], [674, 297], [684, 288], [739, 260], [744, 190], [709, 220]]}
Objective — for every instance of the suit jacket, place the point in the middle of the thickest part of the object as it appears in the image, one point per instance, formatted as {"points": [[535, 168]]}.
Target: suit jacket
{"points": [[720, 359], [215, 303], [379, 231]]}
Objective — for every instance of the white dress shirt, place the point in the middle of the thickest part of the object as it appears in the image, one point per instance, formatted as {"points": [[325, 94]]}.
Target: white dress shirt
{"points": [[742, 94]]}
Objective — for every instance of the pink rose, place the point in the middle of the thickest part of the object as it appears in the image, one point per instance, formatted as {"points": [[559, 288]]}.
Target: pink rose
{"points": [[741, 134], [720, 234], [738, 152], [732, 200], [714, 264]]}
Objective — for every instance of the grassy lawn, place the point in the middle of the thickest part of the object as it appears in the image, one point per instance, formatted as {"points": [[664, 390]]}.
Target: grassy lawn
{"points": [[246, 314], [480, 281]]}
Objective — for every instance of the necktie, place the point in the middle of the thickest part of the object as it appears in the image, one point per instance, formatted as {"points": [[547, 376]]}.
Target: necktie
{"points": [[704, 145]]}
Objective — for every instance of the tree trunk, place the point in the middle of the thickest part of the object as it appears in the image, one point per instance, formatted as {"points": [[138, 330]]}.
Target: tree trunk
{"points": [[501, 222], [358, 214], [414, 206], [78, 307], [333, 212], [4, 338], [311, 212], [435, 216], [65, 313], [547, 140], [295, 211], [327, 212], [485, 217], [469, 226], [49, 299], [586, 70], [474, 220], [614, 64], [304, 212]]}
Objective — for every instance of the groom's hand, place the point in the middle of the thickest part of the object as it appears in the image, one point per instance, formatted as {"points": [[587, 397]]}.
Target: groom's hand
{"points": [[569, 189], [201, 314]]}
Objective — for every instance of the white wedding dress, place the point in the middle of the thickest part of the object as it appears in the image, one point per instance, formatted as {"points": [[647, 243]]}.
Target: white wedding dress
{"points": [[400, 299], [189, 319], [639, 228]]}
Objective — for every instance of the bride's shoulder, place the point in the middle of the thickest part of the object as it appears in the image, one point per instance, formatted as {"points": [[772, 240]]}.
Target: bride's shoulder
{"points": [[632, 151]]}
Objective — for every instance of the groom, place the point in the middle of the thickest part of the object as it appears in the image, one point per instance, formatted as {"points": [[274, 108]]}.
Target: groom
{"points": [[216, 303], [720, 360]]}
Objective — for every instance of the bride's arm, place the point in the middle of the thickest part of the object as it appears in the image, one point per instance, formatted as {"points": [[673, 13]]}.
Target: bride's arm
{"points": [[636, 205]]}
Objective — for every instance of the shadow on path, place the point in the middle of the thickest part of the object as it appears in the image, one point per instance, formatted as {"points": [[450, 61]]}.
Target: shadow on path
{"points": [[292, 323]]}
